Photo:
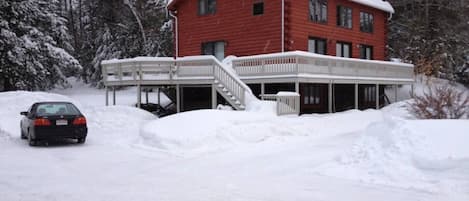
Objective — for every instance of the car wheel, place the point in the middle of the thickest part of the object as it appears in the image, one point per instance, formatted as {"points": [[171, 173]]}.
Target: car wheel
{"points": [[81, 140], [31, 141]]}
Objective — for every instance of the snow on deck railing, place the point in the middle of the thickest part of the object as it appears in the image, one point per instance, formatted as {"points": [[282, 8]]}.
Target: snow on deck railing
{"points": [[138, 70], [300, 63], [286, 102]]}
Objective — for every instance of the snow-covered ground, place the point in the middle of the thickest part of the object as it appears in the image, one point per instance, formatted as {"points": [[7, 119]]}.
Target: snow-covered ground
{"points": [[231, 155]]}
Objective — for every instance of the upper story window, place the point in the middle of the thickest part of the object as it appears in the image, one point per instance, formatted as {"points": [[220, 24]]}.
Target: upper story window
{"points": [[258, 8], [216, 49], [343, 49], [366, 22], [317, 45], [366, 52], [344, 17], [318, 10], [207, 7]]}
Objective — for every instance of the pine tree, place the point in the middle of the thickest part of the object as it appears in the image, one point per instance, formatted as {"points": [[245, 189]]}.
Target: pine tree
{"points": [[34, 45]]}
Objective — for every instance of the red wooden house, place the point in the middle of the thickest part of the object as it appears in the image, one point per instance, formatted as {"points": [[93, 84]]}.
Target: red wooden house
{"points": [[271, 39], [348, 28]]}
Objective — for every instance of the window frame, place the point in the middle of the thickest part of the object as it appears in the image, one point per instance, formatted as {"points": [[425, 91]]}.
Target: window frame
{"points": [[209, 9], [320, 15], [364, 48], [348, 22], [213, 44], [254, 8], [342, 44], [366, 22], [316, 45]]}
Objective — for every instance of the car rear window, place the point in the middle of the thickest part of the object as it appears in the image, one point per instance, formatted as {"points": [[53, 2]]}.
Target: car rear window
{"points": [[51, 109]]}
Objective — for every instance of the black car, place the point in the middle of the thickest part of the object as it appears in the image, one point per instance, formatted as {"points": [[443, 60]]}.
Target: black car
{"points": [[53, 120]]}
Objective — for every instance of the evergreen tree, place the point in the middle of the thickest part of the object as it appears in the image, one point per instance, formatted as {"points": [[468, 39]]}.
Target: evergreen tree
{"points": [[432, 34], [34, 45]]}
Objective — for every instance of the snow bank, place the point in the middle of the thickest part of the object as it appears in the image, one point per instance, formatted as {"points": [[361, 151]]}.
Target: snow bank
{"points": [[117, 123], [405, 154], [203, 131]]}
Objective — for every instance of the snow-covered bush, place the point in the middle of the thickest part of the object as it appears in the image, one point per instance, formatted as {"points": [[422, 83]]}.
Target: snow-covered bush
{"points": [[440, 102]]}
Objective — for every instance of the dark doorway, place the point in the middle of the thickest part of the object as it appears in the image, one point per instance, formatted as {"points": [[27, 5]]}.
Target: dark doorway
{"points": [[196, 97], [367, 96], [314, 98], [344, 97]]}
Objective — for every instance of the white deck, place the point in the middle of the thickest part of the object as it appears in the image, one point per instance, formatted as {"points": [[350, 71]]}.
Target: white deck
{"points": [[271, 68]]}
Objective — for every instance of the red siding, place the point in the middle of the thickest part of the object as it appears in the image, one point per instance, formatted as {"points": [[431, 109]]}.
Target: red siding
{"points": [[233, 23], [246, 34], [301, 28]]}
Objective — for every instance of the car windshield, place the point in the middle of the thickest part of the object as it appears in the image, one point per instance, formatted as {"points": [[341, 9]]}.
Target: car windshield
{"points": [[50, 109]]}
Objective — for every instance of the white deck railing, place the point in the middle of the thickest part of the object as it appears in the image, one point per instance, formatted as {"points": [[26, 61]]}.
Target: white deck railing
{"points": [[286, 102], [143, 69], [303, 64]]}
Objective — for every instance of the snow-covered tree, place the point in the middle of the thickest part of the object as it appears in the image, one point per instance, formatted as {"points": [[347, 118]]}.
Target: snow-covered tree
{"points": [[34, 45], [432, 34]]}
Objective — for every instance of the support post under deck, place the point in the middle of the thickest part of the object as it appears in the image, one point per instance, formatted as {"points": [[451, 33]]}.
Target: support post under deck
{"points": [[159, 95], [113, 95], [377, 96], [178, 98], [356, 96], [395, 93], [330, 96], [262, 90], [214, 97], [107, 96], [139, 96]]}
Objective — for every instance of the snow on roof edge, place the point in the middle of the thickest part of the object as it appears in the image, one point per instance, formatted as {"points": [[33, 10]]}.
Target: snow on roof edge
{"points": [[378, 4]]}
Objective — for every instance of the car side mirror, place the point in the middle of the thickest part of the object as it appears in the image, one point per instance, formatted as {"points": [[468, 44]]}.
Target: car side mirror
{"points": [[24, 113]]}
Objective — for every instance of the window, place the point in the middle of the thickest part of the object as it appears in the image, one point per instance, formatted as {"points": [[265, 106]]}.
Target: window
{"points": [[343, 49], [344, 17], [318, 10], [312, 94], [366, 22], [216, 49], [366, 52], [317, 45], [207, 7], [258, 8], [369, 94]]}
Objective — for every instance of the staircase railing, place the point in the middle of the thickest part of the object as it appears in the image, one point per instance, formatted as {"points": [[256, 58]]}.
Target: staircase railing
{"points": [[234, 85]]}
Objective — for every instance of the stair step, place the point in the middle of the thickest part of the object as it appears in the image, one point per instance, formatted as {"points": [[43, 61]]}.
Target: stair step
{"points": [[216, 81], [242, 107], [238, 103], [233, 98], [221, 85], [225, 89], [229, 94]]}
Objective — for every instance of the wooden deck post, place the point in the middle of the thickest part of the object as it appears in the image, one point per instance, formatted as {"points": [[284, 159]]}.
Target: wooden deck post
{"points": [[146, 95], [330, 96], [356, 96], [214, 97], [395, 93], [377, 96], [262, 90], [107, 95], [139, 96], [178, 99], [113, 95], [159, 96]]}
